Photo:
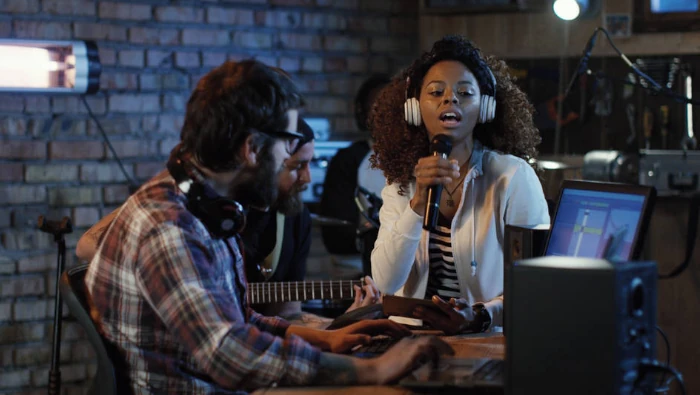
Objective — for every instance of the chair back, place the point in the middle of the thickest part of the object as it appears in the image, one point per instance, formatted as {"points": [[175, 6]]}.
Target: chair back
{"points": [[73, 293], [368, 205]]}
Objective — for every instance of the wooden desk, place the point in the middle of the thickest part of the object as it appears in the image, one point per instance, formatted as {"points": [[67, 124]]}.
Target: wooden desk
{"points": [[490, 345], [678, 303], [465, 346]]}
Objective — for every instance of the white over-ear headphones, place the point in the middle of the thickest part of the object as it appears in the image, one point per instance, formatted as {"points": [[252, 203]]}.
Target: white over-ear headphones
{"points": [[411, 108], [487, 109]]}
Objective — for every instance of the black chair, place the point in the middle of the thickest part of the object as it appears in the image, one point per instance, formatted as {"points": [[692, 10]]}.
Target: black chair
{"points": [[72, 288], [551, 208]]}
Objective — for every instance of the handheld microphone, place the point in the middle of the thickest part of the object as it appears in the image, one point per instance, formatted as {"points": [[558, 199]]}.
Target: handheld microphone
{"points": [[441, 145]]}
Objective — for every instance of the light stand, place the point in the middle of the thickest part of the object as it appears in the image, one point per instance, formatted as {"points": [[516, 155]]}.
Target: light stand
{"points": [[57, 229]]}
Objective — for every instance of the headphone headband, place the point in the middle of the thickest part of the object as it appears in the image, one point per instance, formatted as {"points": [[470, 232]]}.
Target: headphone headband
{"points": [[487, 109], [493, 79]]}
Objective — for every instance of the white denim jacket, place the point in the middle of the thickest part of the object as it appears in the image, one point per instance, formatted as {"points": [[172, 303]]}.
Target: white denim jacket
{"points": [[500, 189]]}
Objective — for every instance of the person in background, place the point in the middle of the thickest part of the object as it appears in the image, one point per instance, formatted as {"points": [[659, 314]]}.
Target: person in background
{"points": [[269, 255], [453, 90], [167, 285], [349, 168]]}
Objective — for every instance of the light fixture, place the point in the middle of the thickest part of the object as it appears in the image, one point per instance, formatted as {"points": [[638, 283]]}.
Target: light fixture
{"points": [[49, 66], [569, 9]]}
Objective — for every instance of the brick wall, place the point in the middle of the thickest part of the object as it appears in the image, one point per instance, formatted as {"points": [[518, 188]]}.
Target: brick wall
{"points": [[54, 162]]}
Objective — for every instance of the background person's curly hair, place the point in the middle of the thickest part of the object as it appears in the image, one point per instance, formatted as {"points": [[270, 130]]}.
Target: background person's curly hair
{"points": [[398, 146]]}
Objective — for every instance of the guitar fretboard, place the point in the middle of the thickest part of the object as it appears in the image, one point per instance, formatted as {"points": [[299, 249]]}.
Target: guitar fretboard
{"points": [[296, 291]]}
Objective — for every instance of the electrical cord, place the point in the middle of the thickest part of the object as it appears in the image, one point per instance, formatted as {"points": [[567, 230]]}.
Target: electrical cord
{"points": [[668, 359], [132, 184], [655, 86], [692, 230], [646, 365]]}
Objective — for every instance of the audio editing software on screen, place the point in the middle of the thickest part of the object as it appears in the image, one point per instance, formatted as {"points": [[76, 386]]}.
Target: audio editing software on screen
{"points": [[595, 224]]}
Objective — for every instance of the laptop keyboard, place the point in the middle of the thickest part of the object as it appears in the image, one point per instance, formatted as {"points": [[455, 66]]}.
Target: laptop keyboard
{"points": [[491, 371]]}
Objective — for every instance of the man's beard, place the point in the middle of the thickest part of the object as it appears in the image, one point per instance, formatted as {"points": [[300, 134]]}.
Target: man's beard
{"points": [[258, 187], [290, 203]]}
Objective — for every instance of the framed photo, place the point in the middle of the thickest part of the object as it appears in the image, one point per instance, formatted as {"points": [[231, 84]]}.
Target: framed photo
{"points": [[619, 25]]}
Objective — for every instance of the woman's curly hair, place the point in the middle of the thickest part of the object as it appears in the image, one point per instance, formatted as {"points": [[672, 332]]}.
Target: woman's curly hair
{"points": [[398, 146]]}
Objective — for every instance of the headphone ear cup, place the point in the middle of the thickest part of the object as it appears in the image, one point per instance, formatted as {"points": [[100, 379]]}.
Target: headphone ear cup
{"points": [[482, 108], [412, 112], [223, 218], [417, 120], [487, 110], [407, 112], [491, 115]]}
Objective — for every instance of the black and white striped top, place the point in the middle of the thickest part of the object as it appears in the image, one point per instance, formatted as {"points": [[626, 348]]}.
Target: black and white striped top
{"points": [[442, 277]]}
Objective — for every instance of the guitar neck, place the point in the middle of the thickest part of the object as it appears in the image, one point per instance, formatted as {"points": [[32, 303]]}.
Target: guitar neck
{"points": [[299, 291]]}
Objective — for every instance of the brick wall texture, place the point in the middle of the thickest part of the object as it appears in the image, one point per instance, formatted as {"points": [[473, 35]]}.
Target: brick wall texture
{"points": [[54, 161]]}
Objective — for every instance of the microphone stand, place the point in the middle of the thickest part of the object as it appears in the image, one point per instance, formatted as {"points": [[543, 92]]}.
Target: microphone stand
{"points": [[57, 229], [582, 64]]}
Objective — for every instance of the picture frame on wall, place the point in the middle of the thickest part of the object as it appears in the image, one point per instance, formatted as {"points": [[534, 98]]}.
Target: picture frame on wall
{"points": [[619, 25]]}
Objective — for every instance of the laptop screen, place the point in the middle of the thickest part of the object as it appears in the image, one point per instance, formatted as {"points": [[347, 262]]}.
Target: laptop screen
{"points": [[600, 220]]}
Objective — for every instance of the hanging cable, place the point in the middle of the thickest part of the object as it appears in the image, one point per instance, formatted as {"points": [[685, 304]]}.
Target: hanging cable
{"points": [[132, 184], [668, 356], [691, 233], [646, 366]]}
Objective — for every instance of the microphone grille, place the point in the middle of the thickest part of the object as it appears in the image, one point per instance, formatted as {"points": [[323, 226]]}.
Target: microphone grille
{"points": [[442, 144]]}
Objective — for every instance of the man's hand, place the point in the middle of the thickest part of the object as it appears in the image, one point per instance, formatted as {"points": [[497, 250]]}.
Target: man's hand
{"points": [[367, 295], [458, 315], [342, 340], [408, 355]]}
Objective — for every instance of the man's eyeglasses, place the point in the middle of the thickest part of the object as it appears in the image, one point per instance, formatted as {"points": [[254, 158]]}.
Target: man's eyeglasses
{"points": [[295, 166], [283, 134], [279, 134]]}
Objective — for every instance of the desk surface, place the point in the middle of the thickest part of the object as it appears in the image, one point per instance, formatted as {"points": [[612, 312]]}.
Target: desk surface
{"points": [[478, 346], [465, 346]]}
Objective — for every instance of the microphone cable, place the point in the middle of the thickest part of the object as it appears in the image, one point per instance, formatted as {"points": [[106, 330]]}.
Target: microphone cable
{"points": [[654, 86]]}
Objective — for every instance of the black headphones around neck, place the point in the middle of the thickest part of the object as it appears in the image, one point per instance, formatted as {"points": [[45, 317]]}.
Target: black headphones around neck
{"points": [[223, 217]]}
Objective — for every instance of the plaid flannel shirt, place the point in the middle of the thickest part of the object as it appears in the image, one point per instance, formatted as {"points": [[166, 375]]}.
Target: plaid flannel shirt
{"points": [[172, 300]]}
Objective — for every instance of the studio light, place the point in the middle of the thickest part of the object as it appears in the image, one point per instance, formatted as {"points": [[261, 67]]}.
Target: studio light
{"points": [[49, 66], [569, 9]]}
